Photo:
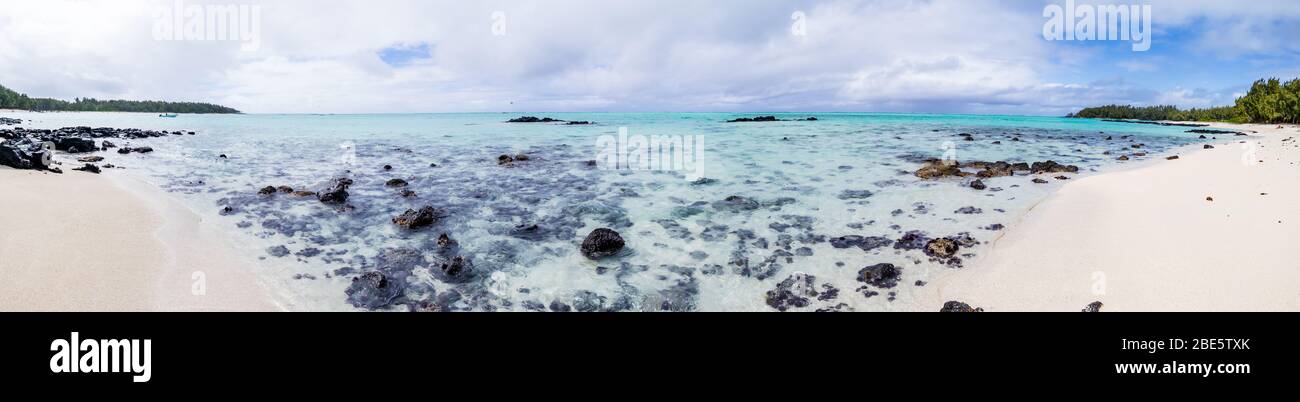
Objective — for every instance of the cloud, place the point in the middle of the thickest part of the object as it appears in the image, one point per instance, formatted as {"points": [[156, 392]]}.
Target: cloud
{"points": [[725, 55]]}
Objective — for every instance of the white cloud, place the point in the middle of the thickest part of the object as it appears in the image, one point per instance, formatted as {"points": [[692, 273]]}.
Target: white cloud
{"points": [[957, 56]]}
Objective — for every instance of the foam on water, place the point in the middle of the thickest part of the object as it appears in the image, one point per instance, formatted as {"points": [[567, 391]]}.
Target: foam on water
{"points": [[809, 182]]}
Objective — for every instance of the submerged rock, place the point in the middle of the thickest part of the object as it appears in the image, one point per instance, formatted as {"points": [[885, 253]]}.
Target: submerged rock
{"points": [[941, 248], [602, 243], [913, 240], [457, 269], [373, 290], [1094, 307], [737, 203], [416, 219], [855, 194], [278, 251], [864, 243], [884, 276], [793, 292]]}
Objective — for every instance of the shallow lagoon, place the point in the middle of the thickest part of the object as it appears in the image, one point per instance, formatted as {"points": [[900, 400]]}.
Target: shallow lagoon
{"points": [[804, 185]]}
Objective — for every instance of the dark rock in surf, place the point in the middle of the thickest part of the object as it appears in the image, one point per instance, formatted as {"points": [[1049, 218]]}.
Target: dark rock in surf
{"points": [[737, 203], [278, 251], [416, 219], [937, 169], [855, 195], [373, 290], [1052, 167], [602, 243], [759, 119], [864, 243], [913, 240], [793, 292], [941, 248], [88, 168], [335, 192], [531, 119], [456, 269], [884, 276], [75, 145]]}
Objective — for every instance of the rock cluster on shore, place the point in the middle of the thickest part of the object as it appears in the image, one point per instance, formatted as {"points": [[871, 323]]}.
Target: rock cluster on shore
{"points": [[32, 148], [937, 169]]}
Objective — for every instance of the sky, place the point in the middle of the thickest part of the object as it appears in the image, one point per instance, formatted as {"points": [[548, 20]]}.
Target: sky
{"points": [[409, 56]]}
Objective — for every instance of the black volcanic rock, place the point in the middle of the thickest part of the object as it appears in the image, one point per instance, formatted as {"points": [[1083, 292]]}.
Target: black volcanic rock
{"points": [[75, 145], [416, 219], [602, 243], [335, 192], [883, 276], [959, 307], [531, 119], [759, 119]]}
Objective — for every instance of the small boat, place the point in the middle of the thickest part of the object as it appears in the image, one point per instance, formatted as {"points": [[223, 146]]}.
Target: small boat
{"points": [[168, 115]]}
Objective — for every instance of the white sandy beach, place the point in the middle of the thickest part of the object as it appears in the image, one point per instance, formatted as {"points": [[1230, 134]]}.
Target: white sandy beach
{"points": [[86, 242], [1147, 239]]}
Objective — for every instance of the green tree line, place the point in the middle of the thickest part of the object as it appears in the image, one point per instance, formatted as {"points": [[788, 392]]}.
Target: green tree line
{"points": [[1269, 101], [10, 99]]}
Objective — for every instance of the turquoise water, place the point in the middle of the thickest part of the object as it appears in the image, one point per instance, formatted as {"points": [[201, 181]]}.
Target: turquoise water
{"points": [[805, 183]]}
